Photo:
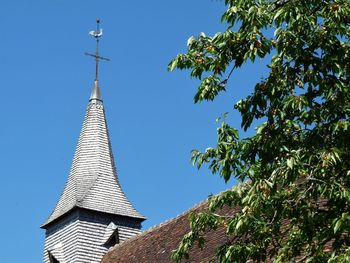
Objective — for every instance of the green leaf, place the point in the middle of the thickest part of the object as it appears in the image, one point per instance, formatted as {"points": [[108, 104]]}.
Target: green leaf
{"points": [[337, 225], [291, 162], [278, 13], [239, 224], [172, 65], [191, 40]]}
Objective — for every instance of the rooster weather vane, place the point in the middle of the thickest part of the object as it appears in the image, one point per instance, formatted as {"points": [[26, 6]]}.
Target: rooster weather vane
{"points": [[97, 35]]}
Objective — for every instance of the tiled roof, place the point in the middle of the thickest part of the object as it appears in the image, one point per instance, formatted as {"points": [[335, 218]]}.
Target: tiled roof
{"points": [[93, 182], [156, 244]]}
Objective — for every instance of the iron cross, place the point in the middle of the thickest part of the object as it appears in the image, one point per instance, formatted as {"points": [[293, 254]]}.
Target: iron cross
{"points": [[97, 35]]}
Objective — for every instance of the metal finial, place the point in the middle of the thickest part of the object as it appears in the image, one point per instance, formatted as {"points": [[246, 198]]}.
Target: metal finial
{"points": [[97, 35]]}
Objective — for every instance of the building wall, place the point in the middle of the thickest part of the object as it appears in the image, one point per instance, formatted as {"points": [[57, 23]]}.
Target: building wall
{"points": [[80, 235]]}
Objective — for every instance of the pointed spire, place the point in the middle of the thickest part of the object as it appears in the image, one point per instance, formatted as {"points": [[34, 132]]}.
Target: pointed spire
{"points": [[96, 93], [93, 181]]}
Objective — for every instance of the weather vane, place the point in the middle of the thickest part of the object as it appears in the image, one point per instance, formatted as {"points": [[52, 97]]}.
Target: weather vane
{"points": [[97, 35]]}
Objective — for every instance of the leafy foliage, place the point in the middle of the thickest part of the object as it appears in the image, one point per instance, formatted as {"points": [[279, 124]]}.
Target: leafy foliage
{"points": [[295, 170]]}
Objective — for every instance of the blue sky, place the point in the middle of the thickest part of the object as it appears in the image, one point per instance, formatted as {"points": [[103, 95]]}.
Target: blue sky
{"points": [[45, 85]]}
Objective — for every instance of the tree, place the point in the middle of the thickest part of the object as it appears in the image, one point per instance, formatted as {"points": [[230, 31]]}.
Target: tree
{"points": [[294, 171]]}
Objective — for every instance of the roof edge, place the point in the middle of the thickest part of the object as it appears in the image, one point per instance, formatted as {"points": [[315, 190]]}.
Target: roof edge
{"points": [[48, 223]]}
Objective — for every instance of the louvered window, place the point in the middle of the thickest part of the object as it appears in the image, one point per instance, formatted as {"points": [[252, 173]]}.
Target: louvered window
{"points": [[52, 258], [113, 239]]}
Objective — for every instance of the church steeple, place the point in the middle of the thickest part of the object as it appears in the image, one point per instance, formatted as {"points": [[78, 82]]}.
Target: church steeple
{"points": [[92, 206], [93, 182]]}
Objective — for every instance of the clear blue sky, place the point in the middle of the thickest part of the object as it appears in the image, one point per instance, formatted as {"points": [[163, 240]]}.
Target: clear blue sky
{"points": [[45, 85]]}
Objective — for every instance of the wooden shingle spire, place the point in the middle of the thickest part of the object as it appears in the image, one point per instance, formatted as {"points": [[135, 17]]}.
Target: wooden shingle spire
{"points": [[93, 183]]}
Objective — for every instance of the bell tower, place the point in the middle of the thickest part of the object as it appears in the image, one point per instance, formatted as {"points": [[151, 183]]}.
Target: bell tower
{"points": [[93, 212]]}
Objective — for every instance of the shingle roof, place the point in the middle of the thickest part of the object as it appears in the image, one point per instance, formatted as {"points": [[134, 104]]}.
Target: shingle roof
{"points": [[156, 244], [93, 183]]}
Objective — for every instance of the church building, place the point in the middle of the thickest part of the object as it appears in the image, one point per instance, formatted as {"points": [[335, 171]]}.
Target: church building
{"points": [[94, 221]]}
